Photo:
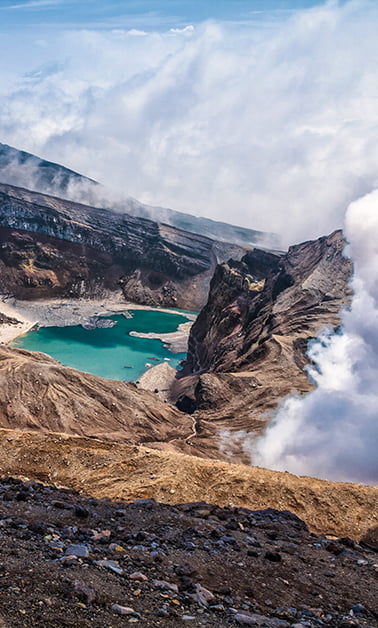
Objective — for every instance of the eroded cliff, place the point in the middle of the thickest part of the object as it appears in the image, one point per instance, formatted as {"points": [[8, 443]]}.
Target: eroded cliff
{"points": [[53, 247], [247, 349]]}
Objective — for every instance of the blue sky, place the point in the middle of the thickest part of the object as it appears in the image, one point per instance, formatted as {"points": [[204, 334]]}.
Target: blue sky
{"points": [[146, 14]]}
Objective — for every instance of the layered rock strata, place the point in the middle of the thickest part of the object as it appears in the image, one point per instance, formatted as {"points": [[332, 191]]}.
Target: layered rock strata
{"points": [[52, 247]]}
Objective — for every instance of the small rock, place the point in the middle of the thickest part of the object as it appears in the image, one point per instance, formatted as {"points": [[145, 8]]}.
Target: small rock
{"points": [[124, 610], [162, 612], [358, 609], [112, 565], [202, 595], [69, 561], [138, 576], [78, 550], [114, 547], [38, 527], [203, 513], [275, 557], [260, 620], [60, 505], [329, 574], [169, 586], [69, 532], [80, 512], [101, 536], [83, 592], [334, 548]]}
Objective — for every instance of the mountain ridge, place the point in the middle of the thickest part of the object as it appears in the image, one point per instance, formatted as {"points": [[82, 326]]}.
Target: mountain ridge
{"points": [[53, 247], [26, 170]]}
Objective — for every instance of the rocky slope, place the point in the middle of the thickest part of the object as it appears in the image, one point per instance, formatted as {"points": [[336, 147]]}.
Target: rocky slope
{"points": [[39, 393], [53, 247], [68, 560], [28, 171], [247, 348], [122, 472]]}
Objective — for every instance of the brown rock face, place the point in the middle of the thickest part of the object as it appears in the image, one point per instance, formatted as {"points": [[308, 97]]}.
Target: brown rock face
{"points": [[247, 348], [53, 247]]}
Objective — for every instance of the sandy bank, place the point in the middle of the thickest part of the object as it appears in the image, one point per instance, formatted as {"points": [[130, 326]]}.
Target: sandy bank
{"points": [[177, 340], [10, 331]]}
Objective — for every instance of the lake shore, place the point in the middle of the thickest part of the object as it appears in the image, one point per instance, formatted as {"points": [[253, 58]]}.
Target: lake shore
{"points": [[65, 312]]}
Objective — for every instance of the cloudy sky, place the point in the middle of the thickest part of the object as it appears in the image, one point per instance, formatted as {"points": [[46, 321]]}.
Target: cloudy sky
{"points": [[260, 113]]}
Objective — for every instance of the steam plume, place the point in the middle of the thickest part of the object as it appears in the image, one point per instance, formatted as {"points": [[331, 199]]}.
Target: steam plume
{"points": [[333, 431]]}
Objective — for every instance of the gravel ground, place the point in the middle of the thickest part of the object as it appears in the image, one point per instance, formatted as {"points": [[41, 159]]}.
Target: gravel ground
{"points": [[70, 560]]}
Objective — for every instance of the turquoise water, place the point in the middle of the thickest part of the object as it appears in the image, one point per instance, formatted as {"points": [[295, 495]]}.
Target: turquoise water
{"points": [[106, 352]]}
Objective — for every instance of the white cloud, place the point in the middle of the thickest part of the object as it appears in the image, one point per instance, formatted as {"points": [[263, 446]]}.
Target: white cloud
{"points": [[185, 29], [35, 4], [269, 127], [333, 431]]}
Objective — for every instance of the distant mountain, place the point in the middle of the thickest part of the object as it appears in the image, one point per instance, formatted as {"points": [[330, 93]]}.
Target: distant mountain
{"points": [[25, 170]]}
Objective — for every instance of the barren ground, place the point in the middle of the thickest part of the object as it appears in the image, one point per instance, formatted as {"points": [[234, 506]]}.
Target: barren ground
{"points": [[119, 471]]}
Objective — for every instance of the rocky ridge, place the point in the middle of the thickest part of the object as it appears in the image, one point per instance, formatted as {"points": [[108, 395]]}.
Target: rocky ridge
{"points": [[51, 247], [247, 348], [28, 171], [122, 472]]}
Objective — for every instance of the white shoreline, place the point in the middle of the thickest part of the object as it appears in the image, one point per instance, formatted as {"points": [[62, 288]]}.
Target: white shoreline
{"points": [[65, 312]]}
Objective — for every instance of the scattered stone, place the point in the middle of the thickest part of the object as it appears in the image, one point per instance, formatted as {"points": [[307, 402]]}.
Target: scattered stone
{"points": [[202, 595], [169, 586], [112, 565], [114, 547], [81, 550], [275, 557], [60, 505], [329, 573], [55, 583], [260, 620], [102, 536], [83, 592], [69, 561], [124, 610], [138, 576], [80, 512], [334, 548]]}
